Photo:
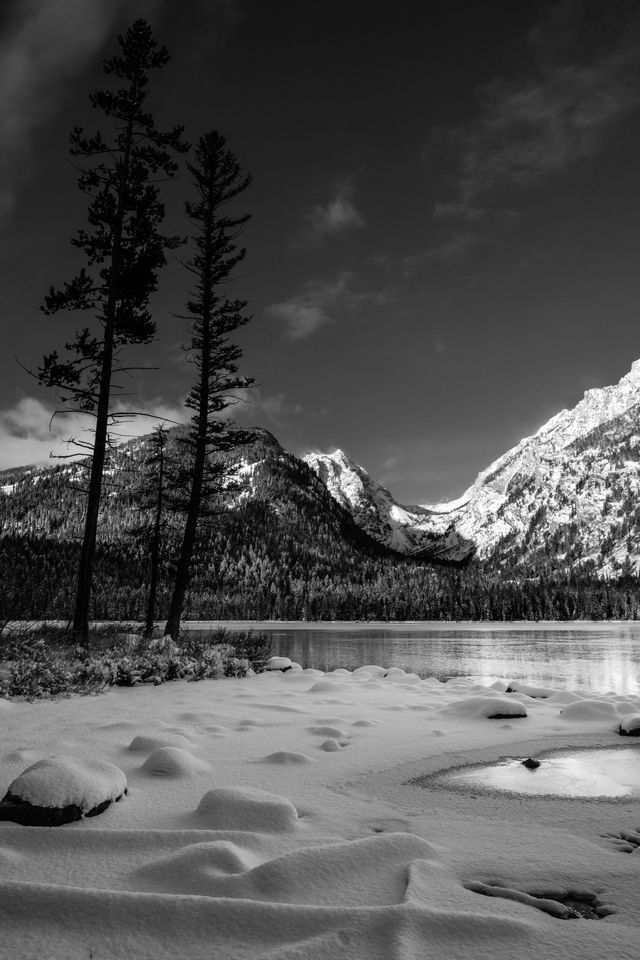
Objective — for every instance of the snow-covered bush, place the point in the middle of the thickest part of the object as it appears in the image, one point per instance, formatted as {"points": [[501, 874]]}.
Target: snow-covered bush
{"points": [[32, 665]]}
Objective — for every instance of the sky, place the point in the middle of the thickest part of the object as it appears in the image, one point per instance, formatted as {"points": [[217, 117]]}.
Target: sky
{"points": [[443, 245]]}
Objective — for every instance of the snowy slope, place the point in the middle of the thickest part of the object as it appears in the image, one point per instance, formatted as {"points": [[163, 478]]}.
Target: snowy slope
{"points": [[571, 473], [405, 529]]}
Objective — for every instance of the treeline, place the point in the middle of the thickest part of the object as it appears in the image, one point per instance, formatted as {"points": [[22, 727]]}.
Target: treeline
{"points": [[237, 576], [275, 546]]}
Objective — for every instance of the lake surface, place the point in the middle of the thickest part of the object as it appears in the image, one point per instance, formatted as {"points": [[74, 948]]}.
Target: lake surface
{"points": [[600, 657]]}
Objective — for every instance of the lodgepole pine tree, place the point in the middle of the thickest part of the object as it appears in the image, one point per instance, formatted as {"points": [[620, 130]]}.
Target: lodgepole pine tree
{"points": [[123, 250], [153, 533], [212, 316]]}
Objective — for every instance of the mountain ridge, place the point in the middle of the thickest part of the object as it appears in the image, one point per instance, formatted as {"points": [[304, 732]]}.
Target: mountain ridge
{"points": [[551, 469]]}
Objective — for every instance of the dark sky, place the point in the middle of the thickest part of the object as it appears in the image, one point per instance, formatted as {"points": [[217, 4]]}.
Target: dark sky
{"points": [[444, 242]]}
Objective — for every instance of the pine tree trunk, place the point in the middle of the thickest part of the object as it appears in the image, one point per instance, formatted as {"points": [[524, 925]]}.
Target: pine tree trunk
{"points": [[155, 552], [85, 567], [172, 626]]}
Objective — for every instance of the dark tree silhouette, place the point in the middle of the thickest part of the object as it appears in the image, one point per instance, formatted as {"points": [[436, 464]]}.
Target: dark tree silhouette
{"points": [[212, 316], [123, 250], [150, 535]]}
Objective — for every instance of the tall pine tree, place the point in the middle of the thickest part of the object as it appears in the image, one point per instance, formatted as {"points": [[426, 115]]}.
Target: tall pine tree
{"points": [[212, 317], [123, 251]]}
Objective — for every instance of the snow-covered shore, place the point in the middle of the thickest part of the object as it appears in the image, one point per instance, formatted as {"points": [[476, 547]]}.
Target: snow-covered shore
{"points": [[278, 816]]}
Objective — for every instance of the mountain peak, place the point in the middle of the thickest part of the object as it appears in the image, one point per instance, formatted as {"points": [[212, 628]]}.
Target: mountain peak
{"points": [[577, 471], [634, 374]]}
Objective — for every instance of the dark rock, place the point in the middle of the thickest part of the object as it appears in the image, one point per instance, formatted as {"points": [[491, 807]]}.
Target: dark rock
{"points": [[29, 815], [506, 716], [531, 764], [630, 726], [21, 811]]}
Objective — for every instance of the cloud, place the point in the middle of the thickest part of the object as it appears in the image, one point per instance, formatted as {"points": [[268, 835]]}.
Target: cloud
{"points": [[331, 220], [312, 309], [45, 44], [29, 435], [302, 315], [578, 85], [323, 302]]}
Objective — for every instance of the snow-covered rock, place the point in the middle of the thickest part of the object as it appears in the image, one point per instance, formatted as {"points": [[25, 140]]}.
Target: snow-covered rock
{"points": [[488, 707], [247, 808], [588, 710], [56, 791], [279, 663], [630, 726]]}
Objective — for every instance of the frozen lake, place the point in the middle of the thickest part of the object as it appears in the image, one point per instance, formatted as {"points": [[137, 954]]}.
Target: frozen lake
{"points": [[612, 772], [600, 657]]}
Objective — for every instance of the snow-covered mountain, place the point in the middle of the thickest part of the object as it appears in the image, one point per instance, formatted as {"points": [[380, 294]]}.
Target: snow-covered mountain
{"points": [[572, 488], [405, 529]]}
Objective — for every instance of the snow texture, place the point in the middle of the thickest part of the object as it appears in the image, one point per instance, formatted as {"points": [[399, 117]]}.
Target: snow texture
{"points": [[237, 846]]}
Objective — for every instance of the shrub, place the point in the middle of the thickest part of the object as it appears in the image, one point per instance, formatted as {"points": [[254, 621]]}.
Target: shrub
{"points": [[42, 660]]}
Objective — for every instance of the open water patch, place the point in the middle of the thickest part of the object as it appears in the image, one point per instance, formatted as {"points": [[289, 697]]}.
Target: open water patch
{"points": [[590, 773]]}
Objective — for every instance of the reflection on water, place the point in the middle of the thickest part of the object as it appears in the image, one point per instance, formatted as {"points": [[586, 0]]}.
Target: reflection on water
{"points": [[597, 657], [612, 772]]}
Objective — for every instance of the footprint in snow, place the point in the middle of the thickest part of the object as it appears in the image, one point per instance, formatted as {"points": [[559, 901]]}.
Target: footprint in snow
{"points": [[627, 841], [563, 905]]}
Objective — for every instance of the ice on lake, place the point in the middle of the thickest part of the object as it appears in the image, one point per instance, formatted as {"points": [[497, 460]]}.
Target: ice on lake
{"points": [[609, 772]]}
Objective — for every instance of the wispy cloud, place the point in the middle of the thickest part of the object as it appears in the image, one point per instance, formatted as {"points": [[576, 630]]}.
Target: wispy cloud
{"points": [[324, 302], [332, 219], [579, 83], [28, 434], [45, 43], [275, 409]]}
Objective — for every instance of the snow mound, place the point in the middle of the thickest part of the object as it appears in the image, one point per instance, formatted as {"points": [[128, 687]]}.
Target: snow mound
{"points": [[67, 782], [327, 731], [395, 673], [588, 710], [285, 757], [145, 744], [370, 670], [330, 745], [172, 762], [328, 686], [487, 707], [191, 869], [247, 808]]}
